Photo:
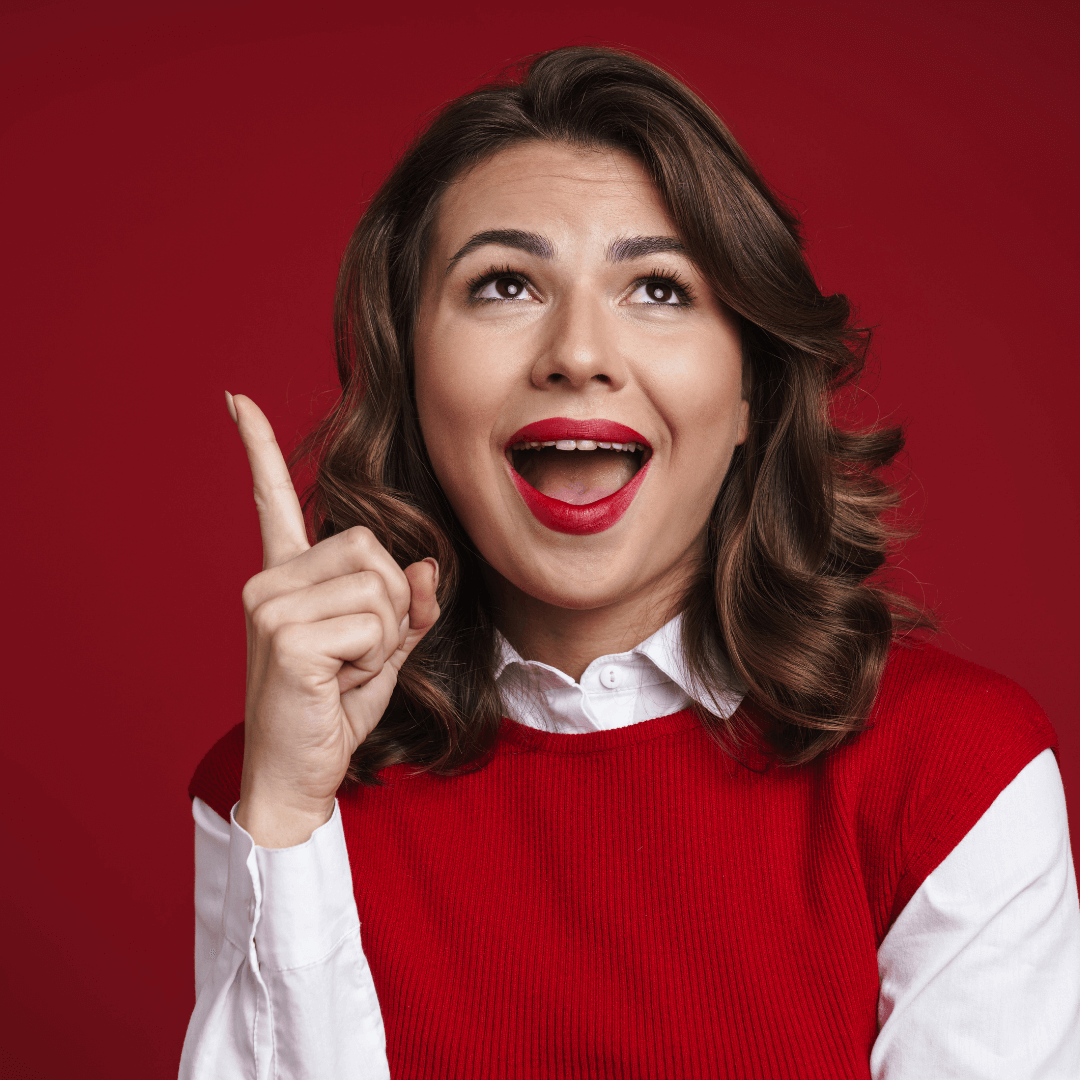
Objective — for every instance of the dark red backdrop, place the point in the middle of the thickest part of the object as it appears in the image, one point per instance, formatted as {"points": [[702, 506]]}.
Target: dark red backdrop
{"points": [[180, 181]]}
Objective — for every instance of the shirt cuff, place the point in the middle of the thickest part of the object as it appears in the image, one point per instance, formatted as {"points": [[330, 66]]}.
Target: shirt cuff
{"points": [[300, 900]]}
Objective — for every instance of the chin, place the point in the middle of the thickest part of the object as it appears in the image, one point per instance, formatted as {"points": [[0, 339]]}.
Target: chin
{"points": [[579, 581]]}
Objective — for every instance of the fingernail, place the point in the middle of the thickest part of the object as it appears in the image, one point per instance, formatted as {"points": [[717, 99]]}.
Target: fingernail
{"points": [[435, 567], [231, 405], [403, 629]]}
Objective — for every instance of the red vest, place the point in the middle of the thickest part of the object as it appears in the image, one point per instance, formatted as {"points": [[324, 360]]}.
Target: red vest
{"points": [[635, 903]]}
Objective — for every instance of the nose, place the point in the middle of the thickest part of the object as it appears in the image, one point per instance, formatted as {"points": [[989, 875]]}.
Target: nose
{"points": [[582, 346]]}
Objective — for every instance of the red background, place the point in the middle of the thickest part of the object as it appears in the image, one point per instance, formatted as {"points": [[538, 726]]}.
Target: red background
{"points": [[180, 181]]}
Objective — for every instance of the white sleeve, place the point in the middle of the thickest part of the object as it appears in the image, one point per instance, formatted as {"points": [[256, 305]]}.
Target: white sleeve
{"points": [[980, 973], [282, 987]]}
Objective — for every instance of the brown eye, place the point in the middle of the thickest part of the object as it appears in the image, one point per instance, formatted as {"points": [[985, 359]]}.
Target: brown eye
{"points": [[659, 291], [509, 288], [503, 288]]}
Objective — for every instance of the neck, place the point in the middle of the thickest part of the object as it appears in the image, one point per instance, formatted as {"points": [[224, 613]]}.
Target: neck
{"points": [[570, 639]]}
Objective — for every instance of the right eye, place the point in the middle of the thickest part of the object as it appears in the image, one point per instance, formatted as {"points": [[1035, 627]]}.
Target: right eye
{"points": [[503, 287]]}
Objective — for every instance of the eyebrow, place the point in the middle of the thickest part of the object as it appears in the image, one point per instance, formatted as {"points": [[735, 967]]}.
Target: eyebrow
{"points": [[637, 247], [533, 243]]}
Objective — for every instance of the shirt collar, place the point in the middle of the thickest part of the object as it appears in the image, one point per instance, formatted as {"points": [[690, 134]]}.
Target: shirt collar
{"points": [[661, 650]]}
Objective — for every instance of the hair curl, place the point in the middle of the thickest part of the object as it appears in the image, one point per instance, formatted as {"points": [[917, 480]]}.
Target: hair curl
{"points": [[787, 599]]}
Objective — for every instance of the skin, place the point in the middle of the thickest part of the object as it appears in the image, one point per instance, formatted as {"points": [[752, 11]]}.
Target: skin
{"points": [[328, 627], [582, 337], [580, 343]]}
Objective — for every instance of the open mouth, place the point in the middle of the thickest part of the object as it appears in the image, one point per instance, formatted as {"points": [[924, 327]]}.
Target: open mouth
{"points": [[578, 476], [577, 471]]}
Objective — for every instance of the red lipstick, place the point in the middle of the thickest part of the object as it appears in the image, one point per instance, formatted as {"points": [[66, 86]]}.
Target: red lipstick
{"points": [[564, 517]]}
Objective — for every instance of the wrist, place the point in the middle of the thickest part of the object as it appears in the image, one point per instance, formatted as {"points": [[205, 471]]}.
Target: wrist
{"points": [[275, 822]]}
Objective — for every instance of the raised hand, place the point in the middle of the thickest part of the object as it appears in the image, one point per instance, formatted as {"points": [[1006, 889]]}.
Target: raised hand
{"points": [[329, 627]]}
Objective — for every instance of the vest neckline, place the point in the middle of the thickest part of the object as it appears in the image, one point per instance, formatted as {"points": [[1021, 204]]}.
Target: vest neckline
{"points": [[753, 753], [590, 742]]}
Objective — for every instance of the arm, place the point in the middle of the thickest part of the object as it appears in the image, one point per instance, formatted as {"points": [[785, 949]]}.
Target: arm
{"points": [[282, 985], [283, 989], [980, 973]]}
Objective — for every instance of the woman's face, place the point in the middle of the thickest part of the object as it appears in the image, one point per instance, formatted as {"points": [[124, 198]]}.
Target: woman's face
{"points": [[559, 316]]}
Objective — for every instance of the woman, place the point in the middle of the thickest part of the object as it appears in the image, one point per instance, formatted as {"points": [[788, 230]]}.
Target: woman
{"points": [[587, 706]]}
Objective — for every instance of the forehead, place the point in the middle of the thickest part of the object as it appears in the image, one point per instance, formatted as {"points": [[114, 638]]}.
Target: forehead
{"points": [[561, 192]]}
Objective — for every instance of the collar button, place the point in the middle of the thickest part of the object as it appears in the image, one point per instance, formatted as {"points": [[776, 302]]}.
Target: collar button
{"points": [[609, 676]]}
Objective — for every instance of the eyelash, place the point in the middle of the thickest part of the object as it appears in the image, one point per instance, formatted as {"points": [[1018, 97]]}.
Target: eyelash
{"points": [[493, 273], [668, 277], [680, 286]]}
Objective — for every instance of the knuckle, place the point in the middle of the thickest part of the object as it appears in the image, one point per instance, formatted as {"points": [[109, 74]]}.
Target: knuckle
{"points": [[264, 619], [365, 648], [397, 585], [368, 581], [372, 587], [360, 539], [367, 592], [401, 596], [397, 590], [369, 635], [253, 593], [288, 645]]}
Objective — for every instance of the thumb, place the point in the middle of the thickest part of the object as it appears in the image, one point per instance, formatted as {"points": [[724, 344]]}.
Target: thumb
{"points": [[423, 578]]}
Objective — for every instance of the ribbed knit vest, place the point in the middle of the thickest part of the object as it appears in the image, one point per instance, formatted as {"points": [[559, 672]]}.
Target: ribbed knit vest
{"points": [[637, 903]]}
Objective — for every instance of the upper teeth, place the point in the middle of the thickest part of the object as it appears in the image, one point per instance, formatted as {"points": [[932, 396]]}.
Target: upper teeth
{"points": [[579, 444]]}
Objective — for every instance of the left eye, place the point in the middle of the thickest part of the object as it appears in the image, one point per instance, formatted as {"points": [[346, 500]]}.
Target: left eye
{"points": [[656, 291], [503, 288]]}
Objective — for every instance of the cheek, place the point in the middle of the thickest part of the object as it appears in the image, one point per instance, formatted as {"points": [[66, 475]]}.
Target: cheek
{"points": [[702, 400], [440, 405], [457, 403]]}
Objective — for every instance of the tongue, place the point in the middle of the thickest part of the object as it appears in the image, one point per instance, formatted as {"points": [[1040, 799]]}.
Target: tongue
{"points": [[577, 476]]}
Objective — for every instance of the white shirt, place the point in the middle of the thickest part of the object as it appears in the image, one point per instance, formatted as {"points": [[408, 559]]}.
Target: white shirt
{"points": [[980, 973]]}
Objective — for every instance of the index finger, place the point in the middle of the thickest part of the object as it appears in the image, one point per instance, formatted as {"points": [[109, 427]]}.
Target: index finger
{"points": [[284, 534]]}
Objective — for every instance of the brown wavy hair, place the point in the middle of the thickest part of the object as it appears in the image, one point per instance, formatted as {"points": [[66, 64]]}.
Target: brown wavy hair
{"points": [[788, 598]]}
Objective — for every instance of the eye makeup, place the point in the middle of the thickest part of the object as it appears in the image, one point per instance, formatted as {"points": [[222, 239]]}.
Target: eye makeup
{"points": [[665, 279], [495, 273]]}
